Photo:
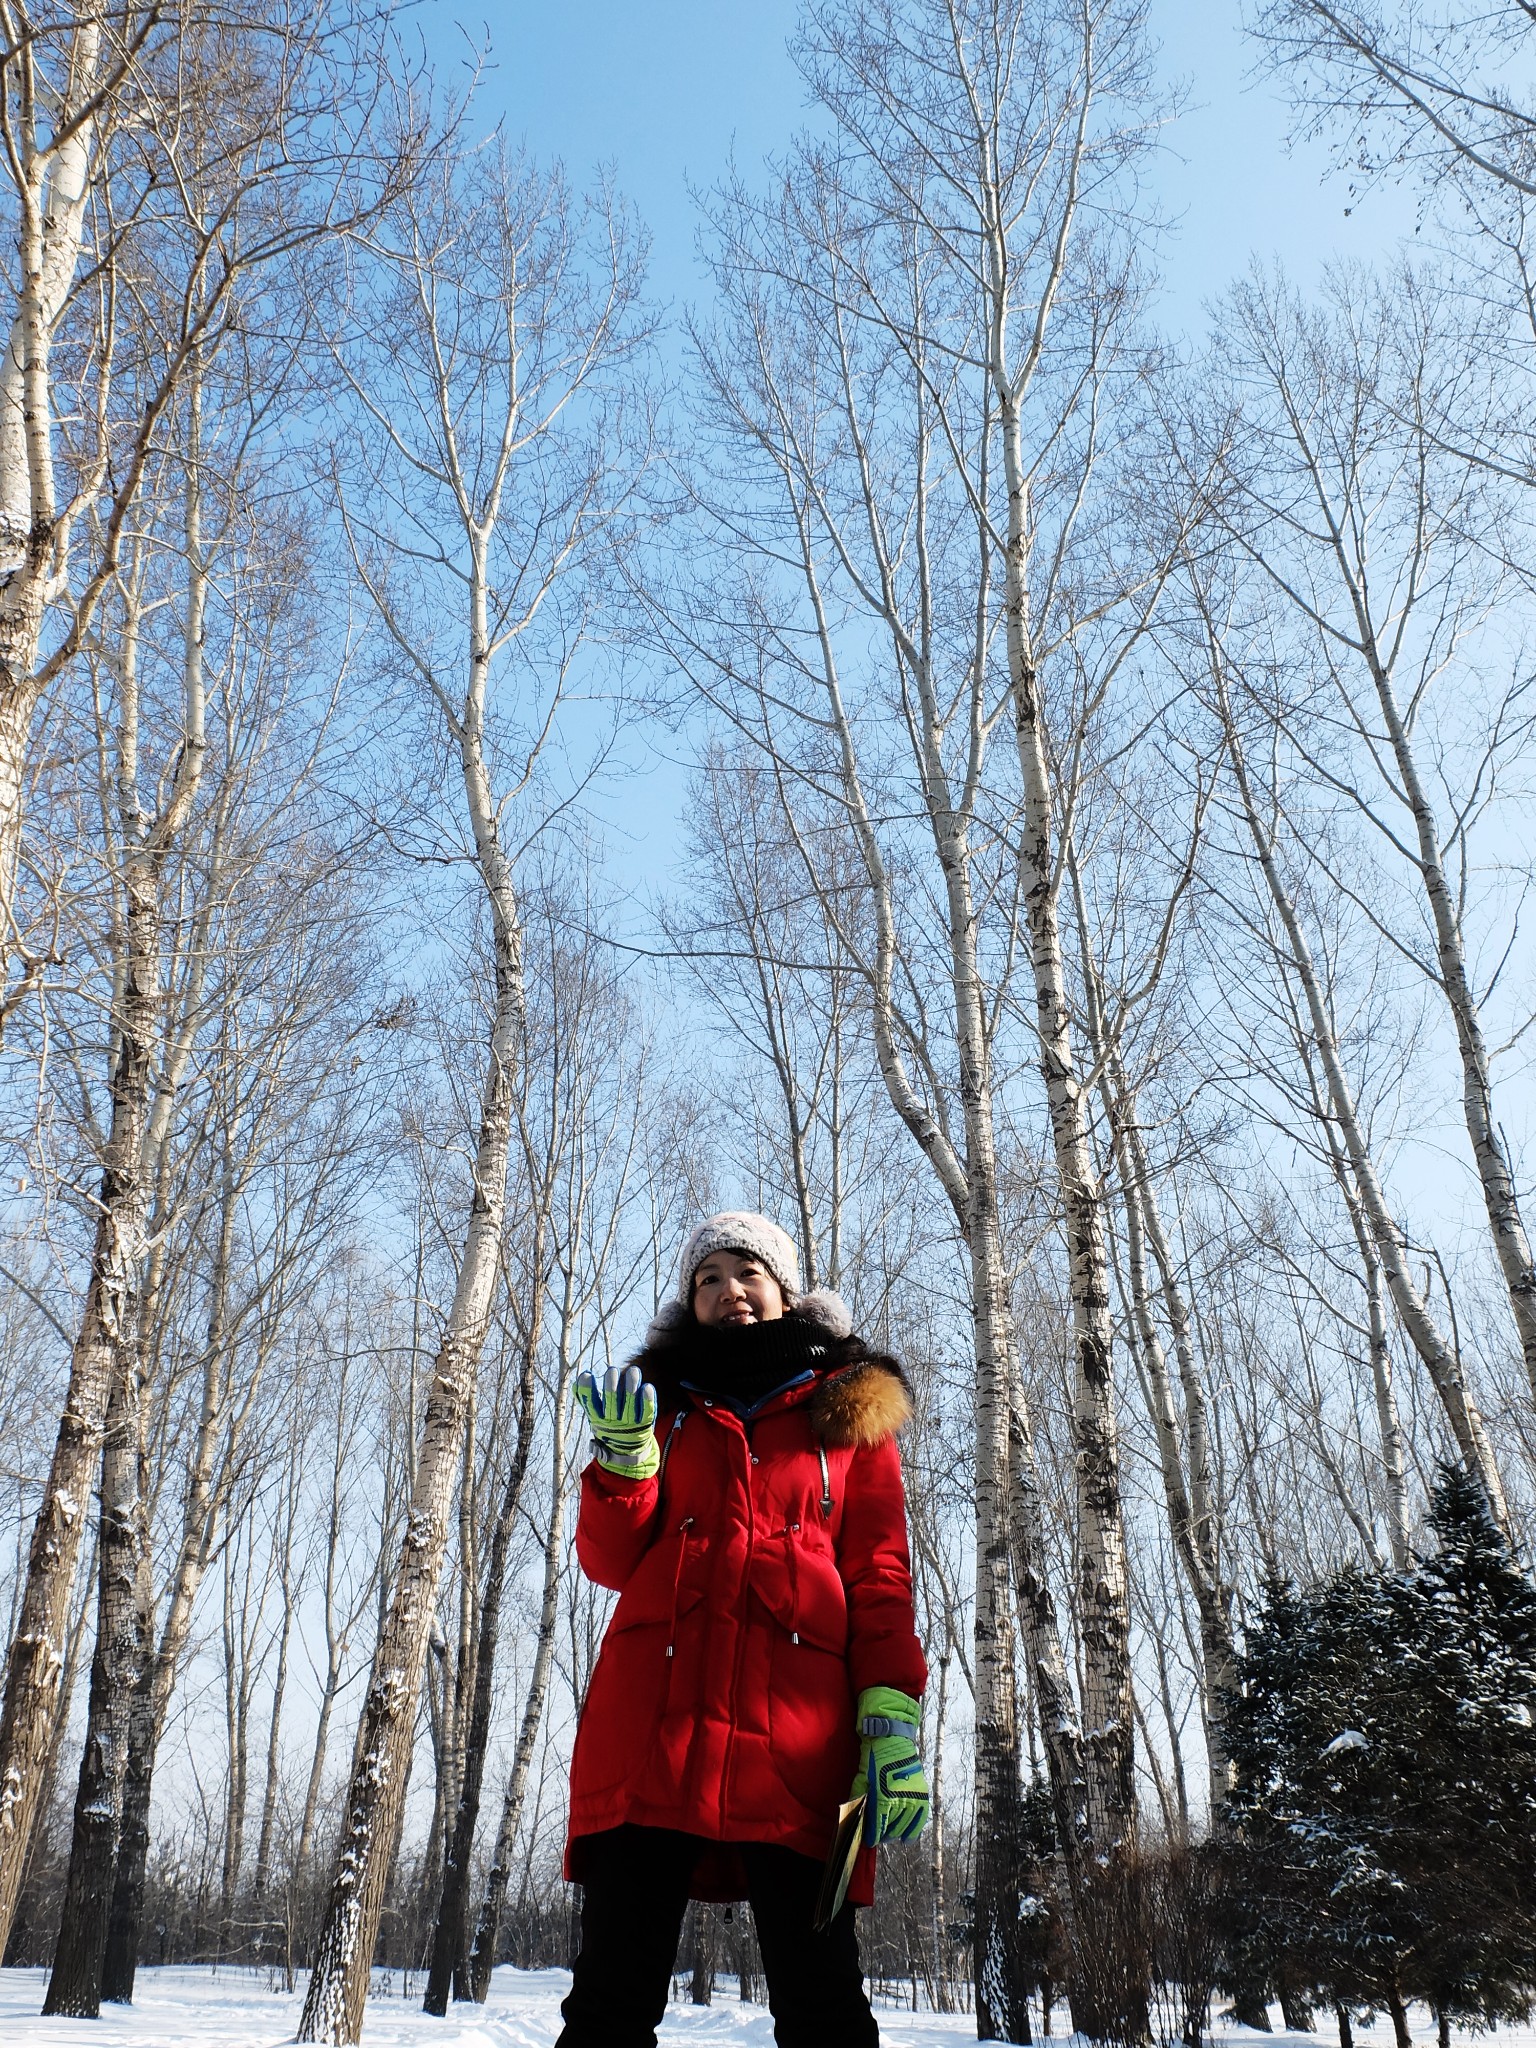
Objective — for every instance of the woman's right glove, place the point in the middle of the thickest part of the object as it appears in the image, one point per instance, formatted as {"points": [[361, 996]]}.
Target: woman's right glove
{"points": [[890, 1766], [622, 1412]]}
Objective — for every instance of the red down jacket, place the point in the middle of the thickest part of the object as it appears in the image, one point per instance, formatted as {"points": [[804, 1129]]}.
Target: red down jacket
{"points": [[749, 1620]]}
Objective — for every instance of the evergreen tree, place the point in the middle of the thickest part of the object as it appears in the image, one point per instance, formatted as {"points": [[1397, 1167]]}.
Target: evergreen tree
{"points": [[1465, 1724], [1383, 1737]]}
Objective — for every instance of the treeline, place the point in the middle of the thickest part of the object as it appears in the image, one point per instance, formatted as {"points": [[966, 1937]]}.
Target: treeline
{"points": [[1097, 934]]}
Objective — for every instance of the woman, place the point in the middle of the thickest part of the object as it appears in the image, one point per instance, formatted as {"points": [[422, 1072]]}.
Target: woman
{"points": [[745, 1501]]}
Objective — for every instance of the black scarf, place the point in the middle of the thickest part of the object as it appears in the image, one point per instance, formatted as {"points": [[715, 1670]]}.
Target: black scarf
{"points": [[744, 1366]]}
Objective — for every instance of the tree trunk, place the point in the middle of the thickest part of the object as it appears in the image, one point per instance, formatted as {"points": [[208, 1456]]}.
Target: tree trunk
{"points": [[701, 1987], [1103, 1591], [1389, 1428], [1440, 1362], [316, 1770], [483, 1955], [158, 1680], [237, 1693], [1192, 1526], [338, 1987], [1250, 2008], [1055, 1708], [103, 1363], [1399, 2012], [112, 1325], [334, 1647], [970, 1185], [51, 194], [1394, 1463], [74, 1986], [36, 1661], [83, 1609], [1184, 1451], [120, 1951], [1001, 2004], [450, 1951], [1511, 1243], [1103, 1594], [274, 1766], [937, 1875]]}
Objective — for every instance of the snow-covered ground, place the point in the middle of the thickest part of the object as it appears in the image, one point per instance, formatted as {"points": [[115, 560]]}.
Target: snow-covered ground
{"points": [[200, 2008]]}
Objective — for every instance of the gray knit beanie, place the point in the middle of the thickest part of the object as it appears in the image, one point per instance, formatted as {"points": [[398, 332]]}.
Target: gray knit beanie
{"points": [[739, 1230]]}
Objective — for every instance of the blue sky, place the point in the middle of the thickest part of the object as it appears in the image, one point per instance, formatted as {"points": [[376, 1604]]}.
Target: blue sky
{"points": [[664, 90]]}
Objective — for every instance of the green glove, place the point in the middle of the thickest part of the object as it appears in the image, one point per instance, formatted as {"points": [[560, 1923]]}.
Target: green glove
{"points": [[890, 1767], [622, 1413]]}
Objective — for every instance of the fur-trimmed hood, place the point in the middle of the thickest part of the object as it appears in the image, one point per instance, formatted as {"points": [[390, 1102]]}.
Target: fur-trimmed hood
{"points": [[862, 1402], [860, 1397]]}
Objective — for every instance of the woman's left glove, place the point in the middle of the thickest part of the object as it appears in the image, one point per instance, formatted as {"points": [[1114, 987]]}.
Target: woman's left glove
{"points": [[890, 1766], [622, 1412]]}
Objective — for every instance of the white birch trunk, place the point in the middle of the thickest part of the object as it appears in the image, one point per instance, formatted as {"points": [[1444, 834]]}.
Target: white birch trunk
{"points": [[338, 1986], [970, 1183], [1389, 1427], [1506, 1225], [74, 1983], [1103, 1589], [52, 186], [147, 1101], [1183, 1443], [1394, 1463], [483, 1953], [1103, 1599], [107, 1343], [1440, 1361]]}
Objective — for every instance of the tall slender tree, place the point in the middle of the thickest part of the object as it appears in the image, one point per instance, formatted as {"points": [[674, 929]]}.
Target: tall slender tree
{"points": [[498, 326]]}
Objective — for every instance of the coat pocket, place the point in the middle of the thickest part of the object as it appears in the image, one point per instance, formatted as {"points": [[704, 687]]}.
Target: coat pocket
{"points": [[810, 1707], [660, 1584], [630, 1691], [802, 1589]]}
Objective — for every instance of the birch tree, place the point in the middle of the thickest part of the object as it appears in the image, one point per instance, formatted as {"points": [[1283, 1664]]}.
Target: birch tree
{"points": [[1376, 544], [105, 1362], [291, 1146], [1439, 1356], [193, 713], [917, 463], [61, 78], [273, 176], [1182, 1424], [948, 717], [588, 1102], [216, 144], [487, 368]]}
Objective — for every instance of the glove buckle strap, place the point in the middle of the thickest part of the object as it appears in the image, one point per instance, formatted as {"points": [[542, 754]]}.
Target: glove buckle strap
{"points": [[876, 1725]]}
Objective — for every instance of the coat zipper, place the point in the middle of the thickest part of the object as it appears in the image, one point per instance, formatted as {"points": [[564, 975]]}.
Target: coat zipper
{"points": [[677, 1580], [741, 1638]]}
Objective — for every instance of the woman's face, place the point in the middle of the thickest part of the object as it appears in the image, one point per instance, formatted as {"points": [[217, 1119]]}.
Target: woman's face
{"points": [[731, 1290]]}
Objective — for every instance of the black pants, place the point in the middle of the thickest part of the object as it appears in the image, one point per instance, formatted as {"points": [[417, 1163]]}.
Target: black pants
{"points": [[633, 1902]]}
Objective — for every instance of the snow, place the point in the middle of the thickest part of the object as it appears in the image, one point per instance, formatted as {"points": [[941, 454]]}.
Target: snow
{"points": [[234, 2008]]}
